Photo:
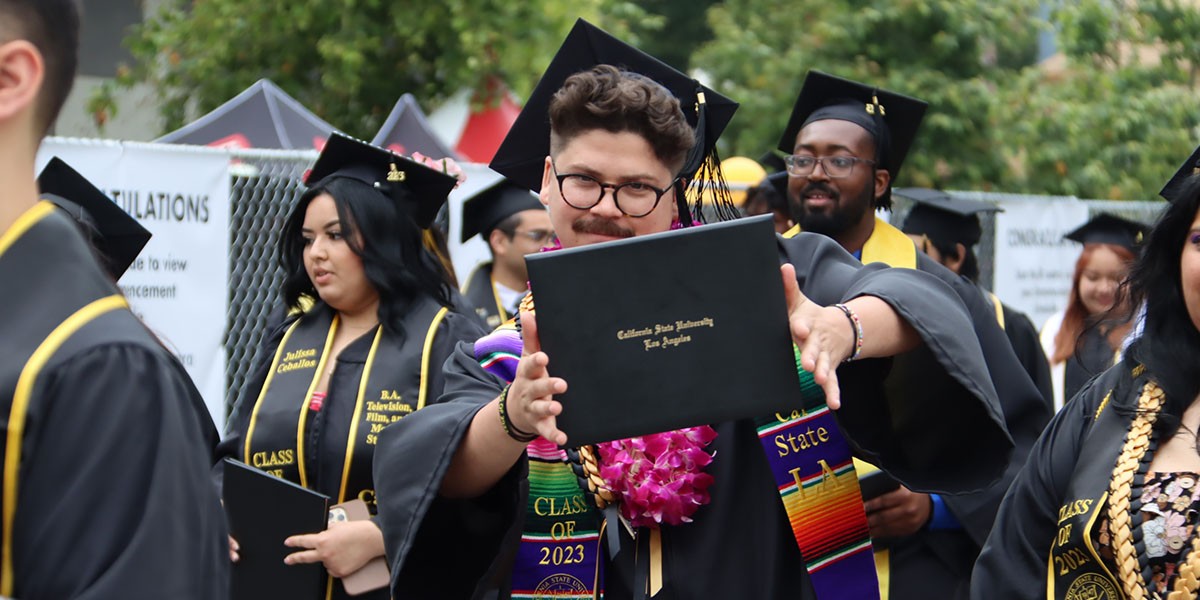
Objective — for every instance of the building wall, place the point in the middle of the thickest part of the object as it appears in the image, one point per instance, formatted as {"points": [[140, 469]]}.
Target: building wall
{"points": [[102, 32]]}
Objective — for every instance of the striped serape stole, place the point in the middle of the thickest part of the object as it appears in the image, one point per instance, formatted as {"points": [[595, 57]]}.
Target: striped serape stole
{"points": [[814, 472]]}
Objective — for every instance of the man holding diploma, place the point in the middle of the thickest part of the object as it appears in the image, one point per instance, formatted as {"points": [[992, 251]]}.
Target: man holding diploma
{"points": [[755, 508]]}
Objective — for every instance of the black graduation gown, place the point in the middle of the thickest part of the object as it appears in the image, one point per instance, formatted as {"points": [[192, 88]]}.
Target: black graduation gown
{"points": [[480, 292], [1092, 356], [938, 563], [1028, 347], [113, 498], [929, 416], [325, 447], [1014, 561]]}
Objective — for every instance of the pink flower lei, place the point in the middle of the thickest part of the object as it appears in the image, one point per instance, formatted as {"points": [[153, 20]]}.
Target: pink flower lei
{"points": [[660, 478]]}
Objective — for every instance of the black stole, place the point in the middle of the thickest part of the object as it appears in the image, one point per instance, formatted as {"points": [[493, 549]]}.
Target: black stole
{"points": [[1075, 568], [276, 440]]}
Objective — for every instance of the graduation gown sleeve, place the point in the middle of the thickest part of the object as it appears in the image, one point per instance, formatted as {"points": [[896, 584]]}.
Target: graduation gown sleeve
{"points": [[930, 417], [439, 547], [1028, 348], [114, 501], [1014, 560]]}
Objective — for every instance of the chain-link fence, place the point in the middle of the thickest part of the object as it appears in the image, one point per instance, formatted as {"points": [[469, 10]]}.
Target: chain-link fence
{"points": [[264, 188]]}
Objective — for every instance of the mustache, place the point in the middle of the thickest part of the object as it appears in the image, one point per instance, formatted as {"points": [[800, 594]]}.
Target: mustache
{"points": [[819, 187], [600, 226]]}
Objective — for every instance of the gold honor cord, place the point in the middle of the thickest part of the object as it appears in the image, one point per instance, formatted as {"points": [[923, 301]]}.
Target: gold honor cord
{"points": [[21, 399], [258, 403], [500, 310], [429, 335], [358, 405], [27, 220], [1120, 518], [308, 397], [999, 309]]}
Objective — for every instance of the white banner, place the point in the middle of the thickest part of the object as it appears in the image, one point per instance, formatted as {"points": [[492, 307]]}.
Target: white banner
{"points": [[1034, 263], [179, 283]]}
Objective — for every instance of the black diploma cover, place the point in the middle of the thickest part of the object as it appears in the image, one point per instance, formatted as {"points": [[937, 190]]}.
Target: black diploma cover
{"points": [[668, 330], [263, 510]]}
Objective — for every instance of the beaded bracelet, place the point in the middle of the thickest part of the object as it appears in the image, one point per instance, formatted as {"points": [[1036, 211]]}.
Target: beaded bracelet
{"points": [[858, 331], [512, 431]]}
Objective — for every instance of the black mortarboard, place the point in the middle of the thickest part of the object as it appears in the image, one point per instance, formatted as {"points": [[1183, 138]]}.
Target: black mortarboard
{"points": [[943, 217], [1190, 167], [117, 236], [386, 171], [521, 157], [892, 119], [772, 162], [1106, 228], [491, 205], [779, 181]]}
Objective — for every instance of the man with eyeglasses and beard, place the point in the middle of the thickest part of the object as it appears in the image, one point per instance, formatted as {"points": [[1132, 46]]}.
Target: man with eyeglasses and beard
{"points": [[846, 142], [513, 223]]}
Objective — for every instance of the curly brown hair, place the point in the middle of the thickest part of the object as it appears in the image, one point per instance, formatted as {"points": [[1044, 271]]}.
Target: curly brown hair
{"points": [[605, 97]]}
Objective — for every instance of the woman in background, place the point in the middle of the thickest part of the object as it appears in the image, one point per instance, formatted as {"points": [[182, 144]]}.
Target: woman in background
{"points": [[1078, 344]]}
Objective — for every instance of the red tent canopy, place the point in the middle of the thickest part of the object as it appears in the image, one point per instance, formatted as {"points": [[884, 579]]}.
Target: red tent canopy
{"points": [[477, 123]]}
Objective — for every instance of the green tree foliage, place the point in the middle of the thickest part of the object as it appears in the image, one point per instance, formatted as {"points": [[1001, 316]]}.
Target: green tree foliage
{"points": [[1105, 121], [682, 29], [349, 60]]}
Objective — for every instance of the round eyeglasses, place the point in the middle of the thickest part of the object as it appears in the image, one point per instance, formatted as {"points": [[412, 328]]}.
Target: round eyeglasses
{"points": [[633, 198], [835, 167]]}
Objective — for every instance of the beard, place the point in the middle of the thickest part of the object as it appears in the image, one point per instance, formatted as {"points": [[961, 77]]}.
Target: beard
{"points": [[839, 218]]}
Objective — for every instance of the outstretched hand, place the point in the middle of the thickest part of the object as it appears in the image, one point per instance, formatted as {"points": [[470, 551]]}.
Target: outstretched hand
{"points": [[823, 334], [531, 404]]}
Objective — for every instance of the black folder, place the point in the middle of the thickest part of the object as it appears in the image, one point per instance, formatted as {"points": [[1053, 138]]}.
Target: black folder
{"points": [[263, 510], [668, 330]]}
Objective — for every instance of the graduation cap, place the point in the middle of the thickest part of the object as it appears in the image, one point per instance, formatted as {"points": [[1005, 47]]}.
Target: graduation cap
{"points": [[779, 181], [118, 237], [772, 162], [1190, 167], [521, 157], [892, 119], [386, 171], [491, 205], [943, 217], [1107, 228]]}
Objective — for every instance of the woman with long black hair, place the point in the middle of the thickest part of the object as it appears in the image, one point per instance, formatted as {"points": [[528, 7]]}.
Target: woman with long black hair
{"points": [[372, 320], [1108, 502]]}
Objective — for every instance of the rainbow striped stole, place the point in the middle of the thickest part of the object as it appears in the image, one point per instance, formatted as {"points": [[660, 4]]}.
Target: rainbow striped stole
{"points": [[814, 473], [560, 545]]}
